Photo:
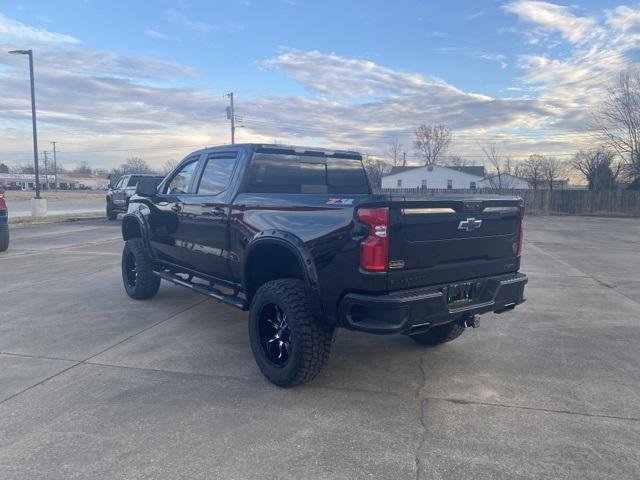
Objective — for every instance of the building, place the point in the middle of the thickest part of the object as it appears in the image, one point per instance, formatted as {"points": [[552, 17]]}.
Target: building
{"points": [[64, 181], [434, 177], [437, 177]]}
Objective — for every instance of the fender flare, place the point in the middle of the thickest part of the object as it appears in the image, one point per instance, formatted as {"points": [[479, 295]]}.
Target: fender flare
{"points": [[299, 250], [143, 225]]}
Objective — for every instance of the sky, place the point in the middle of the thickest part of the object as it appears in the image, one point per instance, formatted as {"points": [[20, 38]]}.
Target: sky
{"points": [[147, 78]]}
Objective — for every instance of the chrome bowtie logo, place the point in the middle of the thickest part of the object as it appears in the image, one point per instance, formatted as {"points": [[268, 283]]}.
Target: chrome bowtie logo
{"points": [[470, 224]]}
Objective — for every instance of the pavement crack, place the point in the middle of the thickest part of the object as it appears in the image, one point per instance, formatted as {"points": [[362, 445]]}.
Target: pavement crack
{"points": [[535, 409], [40, 382]]}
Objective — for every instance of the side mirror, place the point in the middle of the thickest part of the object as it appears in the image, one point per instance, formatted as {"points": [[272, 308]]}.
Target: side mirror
{"points": [[147, 187]]}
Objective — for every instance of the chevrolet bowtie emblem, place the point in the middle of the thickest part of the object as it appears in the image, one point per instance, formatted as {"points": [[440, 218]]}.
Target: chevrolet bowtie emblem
{"points": [[470, 224]]}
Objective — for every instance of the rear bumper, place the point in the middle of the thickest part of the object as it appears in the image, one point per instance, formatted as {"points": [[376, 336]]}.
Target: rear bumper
{"points": [[4, 218], [414, 310]]}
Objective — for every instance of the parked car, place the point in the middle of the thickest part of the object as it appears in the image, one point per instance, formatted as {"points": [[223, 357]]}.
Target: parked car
{"points": [[118, 194], [4, 222], [297, 237]]}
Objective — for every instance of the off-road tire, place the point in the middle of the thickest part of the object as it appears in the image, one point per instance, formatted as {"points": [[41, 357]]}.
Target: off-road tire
{"points": [[310, 340], [111, 215], [4, 239], [144, 284], [440, 334]]}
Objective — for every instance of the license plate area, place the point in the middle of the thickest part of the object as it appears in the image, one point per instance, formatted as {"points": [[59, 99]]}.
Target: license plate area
{"points": [[459, 294]]}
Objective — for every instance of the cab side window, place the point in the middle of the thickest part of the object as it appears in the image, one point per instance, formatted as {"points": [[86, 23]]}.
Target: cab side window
{"points": [[216, 175], [181, 181]]}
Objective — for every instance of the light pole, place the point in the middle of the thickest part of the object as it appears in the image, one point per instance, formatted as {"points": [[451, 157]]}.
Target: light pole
{"points": [[39, 205]]}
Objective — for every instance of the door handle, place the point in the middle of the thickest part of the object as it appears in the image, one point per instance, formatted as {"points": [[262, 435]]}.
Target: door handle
{"points": [[176, 208], [217, 211]]}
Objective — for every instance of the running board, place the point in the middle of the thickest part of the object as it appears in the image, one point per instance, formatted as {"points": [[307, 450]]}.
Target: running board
{"points": [[212, 292]]}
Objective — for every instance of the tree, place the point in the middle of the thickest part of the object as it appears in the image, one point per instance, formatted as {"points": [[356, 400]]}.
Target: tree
{"points": [[598, 168], [456, 161], [133, 165], [82, 168], [169, 165], [397, 154], [618, 119], [552, 169], [25, 169], [501, 177], [4, 168], [376, 169], [431, 142], [532, 170]]}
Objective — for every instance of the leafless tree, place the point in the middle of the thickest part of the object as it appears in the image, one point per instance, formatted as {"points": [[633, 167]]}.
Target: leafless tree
{"points": [[552, 170], [598, 168], [82, 168], [456, 161], [396, 153], [618, 119], [431, 142], [532, 170], [169, 165], [133, 165], [376, 169], [501, 176]]}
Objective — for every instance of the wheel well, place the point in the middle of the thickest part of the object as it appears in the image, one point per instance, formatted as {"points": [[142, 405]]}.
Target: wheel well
{"points": [[130, 229], [270, 262]]}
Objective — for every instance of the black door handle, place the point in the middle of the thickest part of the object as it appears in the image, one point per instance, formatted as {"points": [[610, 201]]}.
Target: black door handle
{"points": [[217, 211], [176, 208]]}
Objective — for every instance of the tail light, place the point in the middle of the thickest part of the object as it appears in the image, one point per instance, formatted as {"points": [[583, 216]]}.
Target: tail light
{"points": [[521, 232], [374, 250], [3, 205]]}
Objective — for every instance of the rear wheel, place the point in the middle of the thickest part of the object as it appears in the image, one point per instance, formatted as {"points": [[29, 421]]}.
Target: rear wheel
{"points": [[289, 344], [439, 334], [4, 239], [111, 214], [137, 273]]}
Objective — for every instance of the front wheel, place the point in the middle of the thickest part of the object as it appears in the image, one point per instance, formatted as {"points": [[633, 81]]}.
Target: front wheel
{"points": [[439, 334], [111, 214], [4, 239], [137, 273], [289, 344]]}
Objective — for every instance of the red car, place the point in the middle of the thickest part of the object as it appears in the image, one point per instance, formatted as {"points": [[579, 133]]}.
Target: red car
{"points": [[4, 222]]}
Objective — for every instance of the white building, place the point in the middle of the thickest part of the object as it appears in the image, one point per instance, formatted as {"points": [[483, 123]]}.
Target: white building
{"points": [[434, 177]]}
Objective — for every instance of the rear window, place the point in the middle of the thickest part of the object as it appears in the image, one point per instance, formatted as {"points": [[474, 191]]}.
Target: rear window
{"points": [[133, 181], [270, 173]]}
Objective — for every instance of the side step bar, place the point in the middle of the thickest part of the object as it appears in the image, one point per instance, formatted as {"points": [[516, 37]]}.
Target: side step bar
{"points": [[212, 292]]}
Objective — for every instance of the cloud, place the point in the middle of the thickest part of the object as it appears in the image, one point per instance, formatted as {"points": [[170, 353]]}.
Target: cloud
{"points": [[476, 53], [549, 17], [624, 19], [473, 16], [181, 19], [155, 34], [18, 34]]}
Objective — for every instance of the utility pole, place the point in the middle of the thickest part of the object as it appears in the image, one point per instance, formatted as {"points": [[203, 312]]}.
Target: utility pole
{"points": [[404, 159], [231, 115], [55, 167], [46, 169]]}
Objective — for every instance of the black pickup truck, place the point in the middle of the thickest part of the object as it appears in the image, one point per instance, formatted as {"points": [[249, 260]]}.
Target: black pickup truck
{"points": [[296, 236]]}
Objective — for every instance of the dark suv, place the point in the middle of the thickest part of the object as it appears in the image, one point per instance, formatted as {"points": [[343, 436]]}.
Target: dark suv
{"points": [[121, 191], [296, 236]]}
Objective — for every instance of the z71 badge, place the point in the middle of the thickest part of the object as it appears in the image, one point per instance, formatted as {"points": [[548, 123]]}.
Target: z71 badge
{"points": [[340, 201]]}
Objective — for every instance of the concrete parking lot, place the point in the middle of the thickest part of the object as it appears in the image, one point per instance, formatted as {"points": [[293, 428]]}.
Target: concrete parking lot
{"points": [[95, 385]]}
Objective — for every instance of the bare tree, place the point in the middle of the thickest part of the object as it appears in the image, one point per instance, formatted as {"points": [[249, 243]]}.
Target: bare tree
{"points": [[133, 165], [456, 161], [4, 168], [618, 119], [501, 176], [82, 168], [552, 170], [598, 168], [532, 170], [169, 165], [431, 142], [396, 153], [376, 169]]}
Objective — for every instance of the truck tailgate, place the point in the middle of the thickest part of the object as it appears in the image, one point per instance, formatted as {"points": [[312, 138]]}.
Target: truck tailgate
{"points": [[447, 238]]}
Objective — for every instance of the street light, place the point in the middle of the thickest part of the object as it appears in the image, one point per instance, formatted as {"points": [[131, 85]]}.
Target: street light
{"points": [[33, 119]]}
